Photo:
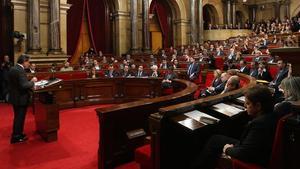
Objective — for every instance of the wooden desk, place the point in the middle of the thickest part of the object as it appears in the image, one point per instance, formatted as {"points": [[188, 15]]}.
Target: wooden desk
{"points": [[118, 121], [173, 145]]}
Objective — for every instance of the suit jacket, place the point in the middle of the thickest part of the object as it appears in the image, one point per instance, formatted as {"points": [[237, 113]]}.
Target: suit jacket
{"points": [[193, 71], [245, 70], [255, 145], [142, 74], [280, 76], [219, 89], [111, 75], [264, 76], [125, 74], [19, 86], [216, 82], [253, 73]]}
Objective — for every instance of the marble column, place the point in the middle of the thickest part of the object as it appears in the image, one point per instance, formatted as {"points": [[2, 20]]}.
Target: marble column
{"points": [[252, 13], [201, 22], [234, 14], [229, 12], [134, 26], [287, 8], [277, 9], [34, 46], [54, 27], [193, 22], [146, 27]]}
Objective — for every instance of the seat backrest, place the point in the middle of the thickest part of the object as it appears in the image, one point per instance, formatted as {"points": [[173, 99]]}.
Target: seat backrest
{"points": [[276, 161]]}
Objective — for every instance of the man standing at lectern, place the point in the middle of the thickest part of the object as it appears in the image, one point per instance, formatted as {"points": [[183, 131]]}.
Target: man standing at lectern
{"points": [[19, 96]]}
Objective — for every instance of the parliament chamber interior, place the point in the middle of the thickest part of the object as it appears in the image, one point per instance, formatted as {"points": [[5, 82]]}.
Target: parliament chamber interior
{"points": [[149, 84]]}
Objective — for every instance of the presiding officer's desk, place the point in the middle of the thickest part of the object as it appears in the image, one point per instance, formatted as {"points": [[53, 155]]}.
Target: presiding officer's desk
{"points": [[176, 138]]}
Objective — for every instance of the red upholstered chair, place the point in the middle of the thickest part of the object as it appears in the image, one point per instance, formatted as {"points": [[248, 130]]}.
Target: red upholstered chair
{"points": [[276, 161], [219, 63], [142, 156], [167, 91], [273, 70]]}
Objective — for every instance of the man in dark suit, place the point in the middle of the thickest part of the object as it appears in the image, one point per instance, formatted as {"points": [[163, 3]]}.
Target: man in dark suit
{"points": [[244, 68], [19, 96], [282, 73], [255, 144], [141, 72], [193, 69], [111, 73]]}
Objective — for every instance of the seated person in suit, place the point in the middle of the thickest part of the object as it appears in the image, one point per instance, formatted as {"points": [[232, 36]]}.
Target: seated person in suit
{"points": [[263, 72], [133, 70], [233, 83], [111, 72], [244, 68], [193, 69], [168, 79], [125, 71], [219, 52], [176, 64], [217, 89], [282, 73], [93, 73], [154, 71], [66, 67], [164, 64], [217, 78], [141, 72], [231, 55], [290, 87], [31, 69], [253, 69], [255, 144]]}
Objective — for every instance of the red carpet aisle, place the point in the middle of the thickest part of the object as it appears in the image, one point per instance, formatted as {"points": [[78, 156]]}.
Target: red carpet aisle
{"points": [[76, 147]]}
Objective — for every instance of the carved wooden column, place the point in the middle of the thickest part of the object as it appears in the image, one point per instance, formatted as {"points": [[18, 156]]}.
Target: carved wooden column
{"points": [[146, 27], [54, 27], [201, 23], [34, 46], [134, 26], [193, 22]]}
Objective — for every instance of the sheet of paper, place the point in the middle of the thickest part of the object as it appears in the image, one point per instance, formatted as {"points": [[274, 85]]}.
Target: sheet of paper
{"points": [[196, 115], [226, 109], [242, 99], [187, 123]]}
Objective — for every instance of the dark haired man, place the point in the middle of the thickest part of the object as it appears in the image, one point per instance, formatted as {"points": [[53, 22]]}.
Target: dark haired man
{"points": [[19, 96]]}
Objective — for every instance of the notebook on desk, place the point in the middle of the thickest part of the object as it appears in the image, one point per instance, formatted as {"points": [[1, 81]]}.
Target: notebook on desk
{"points": [[227, 109]]}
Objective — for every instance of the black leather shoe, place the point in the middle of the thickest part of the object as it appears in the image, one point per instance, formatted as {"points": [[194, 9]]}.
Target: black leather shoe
{"points": [[18, 139]]}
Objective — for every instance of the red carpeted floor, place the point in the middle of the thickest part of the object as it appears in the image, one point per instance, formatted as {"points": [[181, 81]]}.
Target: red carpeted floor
{"points": [[76, 147]]}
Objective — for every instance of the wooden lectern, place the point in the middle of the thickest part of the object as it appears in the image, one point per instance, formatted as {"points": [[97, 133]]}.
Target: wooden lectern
{"points": [[46, 110]]}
